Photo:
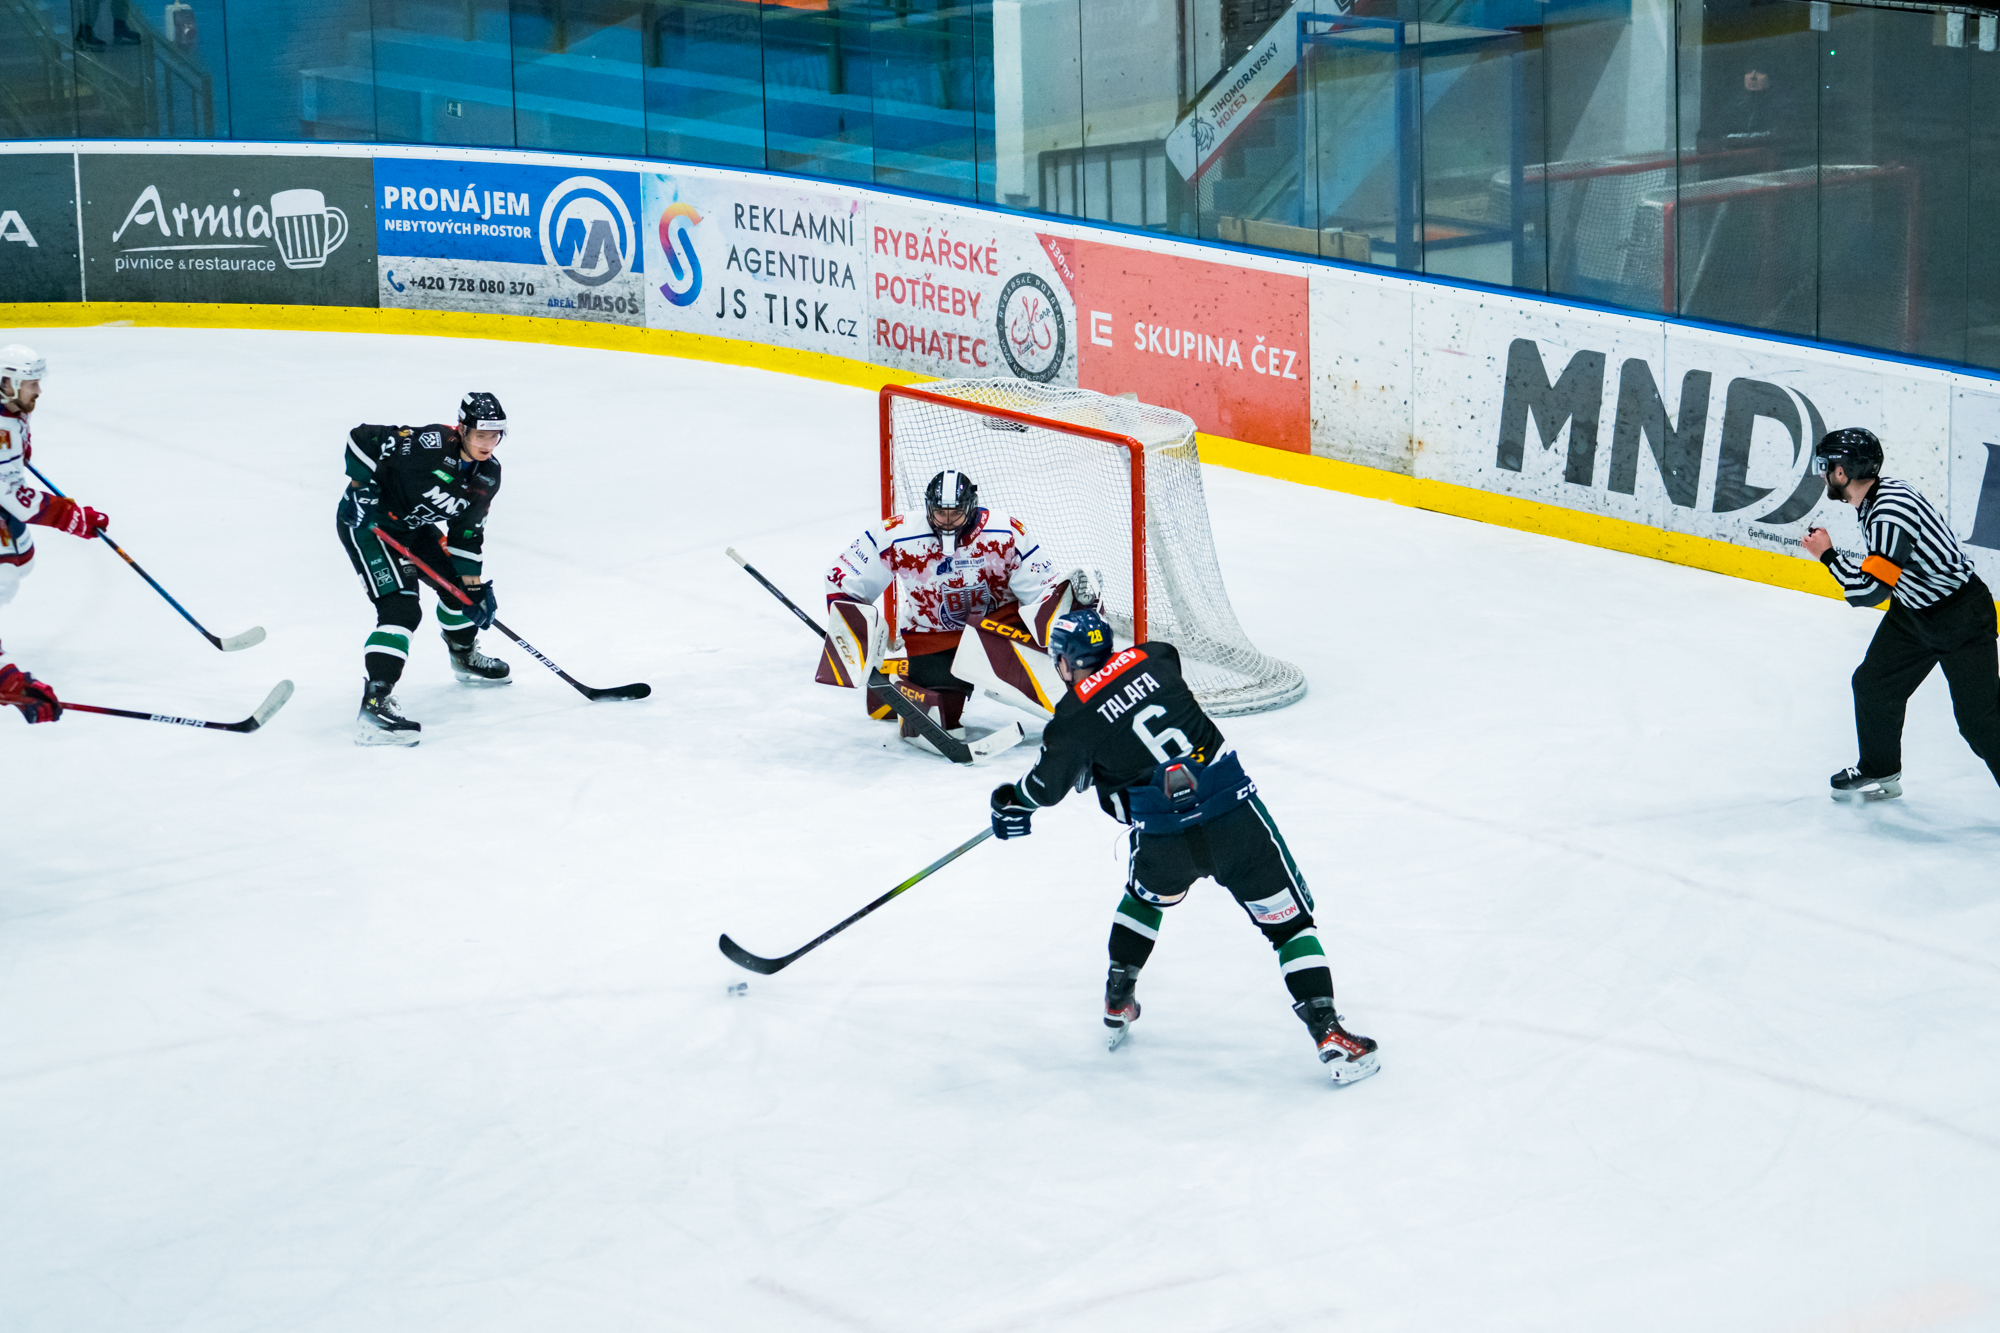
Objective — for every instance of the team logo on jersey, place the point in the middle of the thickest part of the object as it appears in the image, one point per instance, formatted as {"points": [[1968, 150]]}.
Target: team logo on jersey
{"points": [[439, 499], [677, 224], [587, 231], [1033, 335]]}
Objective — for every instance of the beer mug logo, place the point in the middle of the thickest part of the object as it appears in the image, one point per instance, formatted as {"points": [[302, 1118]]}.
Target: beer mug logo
{"points": [[587, 231], [306, 227]]}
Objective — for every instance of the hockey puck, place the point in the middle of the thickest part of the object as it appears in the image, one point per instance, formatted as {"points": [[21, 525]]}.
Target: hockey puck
{"points": [[740, 988]]}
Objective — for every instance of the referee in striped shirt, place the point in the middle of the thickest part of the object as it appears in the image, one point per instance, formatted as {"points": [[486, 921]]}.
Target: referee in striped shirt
{"points": [[1940, 614]]}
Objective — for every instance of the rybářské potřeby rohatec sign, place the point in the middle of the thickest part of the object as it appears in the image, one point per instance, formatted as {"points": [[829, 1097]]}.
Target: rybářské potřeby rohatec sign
{"points": [[181, 227]]}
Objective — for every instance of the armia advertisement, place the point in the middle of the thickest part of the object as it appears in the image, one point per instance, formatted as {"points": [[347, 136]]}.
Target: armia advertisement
{"points": [[507, 239], [767, 263], [186, 227]]}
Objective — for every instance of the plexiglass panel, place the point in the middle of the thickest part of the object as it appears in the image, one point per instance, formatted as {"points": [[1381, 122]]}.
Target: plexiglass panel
{"points": [[579, 82]]}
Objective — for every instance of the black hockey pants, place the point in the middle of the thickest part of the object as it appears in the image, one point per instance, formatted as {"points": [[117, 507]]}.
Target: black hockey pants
{"points": [[1957, 634], [391, 582], [1244, 852]]}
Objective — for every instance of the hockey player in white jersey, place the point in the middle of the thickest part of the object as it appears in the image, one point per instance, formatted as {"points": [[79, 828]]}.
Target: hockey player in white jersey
{"points": [[971, 596], [23, 504]]}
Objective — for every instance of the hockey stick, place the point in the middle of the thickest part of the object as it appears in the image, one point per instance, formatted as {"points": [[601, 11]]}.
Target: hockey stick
{"points": [[431, 576], [736, 953], [272, 703], [249, 638], [946, 744]]}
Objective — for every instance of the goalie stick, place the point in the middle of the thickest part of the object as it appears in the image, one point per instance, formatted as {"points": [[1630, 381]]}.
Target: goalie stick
{"points": [[272, 703], [431, 576], [946, 744], [249, 638], [742, 957]]}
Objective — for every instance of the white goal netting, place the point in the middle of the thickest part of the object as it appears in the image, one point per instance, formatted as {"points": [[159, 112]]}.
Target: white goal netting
{"points": [[1075, 494]]}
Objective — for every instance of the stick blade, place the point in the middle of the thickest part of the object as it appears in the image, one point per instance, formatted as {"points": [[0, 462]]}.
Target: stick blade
{"points": [[276, 699], [730, 551], [742, 957], [638, 691], [235, 643]]}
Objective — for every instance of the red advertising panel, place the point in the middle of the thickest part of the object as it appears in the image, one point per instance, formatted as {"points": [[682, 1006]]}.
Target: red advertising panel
{"points": [[1226, 345]]}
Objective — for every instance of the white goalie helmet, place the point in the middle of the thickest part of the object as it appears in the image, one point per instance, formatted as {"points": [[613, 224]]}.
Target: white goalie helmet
{"points": [[17, 365]]}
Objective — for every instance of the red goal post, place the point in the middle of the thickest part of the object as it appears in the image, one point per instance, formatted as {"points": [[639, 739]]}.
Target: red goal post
{"points": [[1107, 485]]}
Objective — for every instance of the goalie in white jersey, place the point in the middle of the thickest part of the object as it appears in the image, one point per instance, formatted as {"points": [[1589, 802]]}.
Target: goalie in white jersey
{"points": [[22, 503], [971, 597]]}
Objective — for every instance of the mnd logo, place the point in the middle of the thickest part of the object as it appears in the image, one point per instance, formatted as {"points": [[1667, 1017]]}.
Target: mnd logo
{"points": [[1640, 424], [587, 231]]}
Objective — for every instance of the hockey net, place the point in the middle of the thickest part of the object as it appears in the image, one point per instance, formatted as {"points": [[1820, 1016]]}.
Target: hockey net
{"points": [[1109, 486]]}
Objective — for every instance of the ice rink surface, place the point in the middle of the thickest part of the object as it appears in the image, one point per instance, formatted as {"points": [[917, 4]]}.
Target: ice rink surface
{"points": [[301, 1037]]}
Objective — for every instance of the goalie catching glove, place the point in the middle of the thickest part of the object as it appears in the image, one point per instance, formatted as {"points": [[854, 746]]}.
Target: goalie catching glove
{"points": [[1011, 812]]}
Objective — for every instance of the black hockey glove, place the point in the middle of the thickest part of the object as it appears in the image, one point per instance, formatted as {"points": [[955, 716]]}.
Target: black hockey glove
{"points": [[484, 605], [1011, 812]]}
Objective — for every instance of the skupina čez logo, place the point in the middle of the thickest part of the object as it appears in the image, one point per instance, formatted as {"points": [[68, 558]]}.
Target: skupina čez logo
{"points": [[587, 231], [1033, 336], [677, 224], [299, 224]]}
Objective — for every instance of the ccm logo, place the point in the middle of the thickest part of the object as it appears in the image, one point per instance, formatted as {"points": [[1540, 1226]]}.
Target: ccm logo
{"points": [[1006, 631]]}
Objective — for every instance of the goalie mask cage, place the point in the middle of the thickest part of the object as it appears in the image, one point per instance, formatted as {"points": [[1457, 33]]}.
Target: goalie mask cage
{"points": [[1107, 485]]}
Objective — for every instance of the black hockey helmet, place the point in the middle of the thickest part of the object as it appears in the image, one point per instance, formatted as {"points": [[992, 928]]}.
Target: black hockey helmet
{"points": [[481, 411], [1854, 449], [1081, 638], [951, 489]]}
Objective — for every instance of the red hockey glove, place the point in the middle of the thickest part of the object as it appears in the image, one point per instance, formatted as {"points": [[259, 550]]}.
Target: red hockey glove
{"points": [[77, 520], [36, 700]]}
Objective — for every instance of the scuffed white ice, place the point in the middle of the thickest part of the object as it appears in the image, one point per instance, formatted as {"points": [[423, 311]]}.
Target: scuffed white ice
{"points": [[300, 1036]]}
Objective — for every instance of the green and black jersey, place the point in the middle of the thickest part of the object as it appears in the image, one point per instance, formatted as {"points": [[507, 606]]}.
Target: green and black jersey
{"points": [[411, 476]]}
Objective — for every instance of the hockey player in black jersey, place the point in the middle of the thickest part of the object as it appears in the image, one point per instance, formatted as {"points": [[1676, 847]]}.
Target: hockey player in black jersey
{"points": [[1130, 726], [407, 480]]}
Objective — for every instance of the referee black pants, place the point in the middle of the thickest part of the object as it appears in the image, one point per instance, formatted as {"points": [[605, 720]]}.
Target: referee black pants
{"points": [[1957, 634]]}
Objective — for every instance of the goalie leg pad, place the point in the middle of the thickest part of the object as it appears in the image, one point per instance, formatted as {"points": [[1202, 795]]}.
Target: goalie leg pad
{"points": [[946, 706], [1003, 661], [854, 644]]}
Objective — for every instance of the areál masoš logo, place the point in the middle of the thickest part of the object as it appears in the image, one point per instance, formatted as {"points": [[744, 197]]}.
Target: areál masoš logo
{"points": [[587, 231], [1033, 334], [677, 224]]}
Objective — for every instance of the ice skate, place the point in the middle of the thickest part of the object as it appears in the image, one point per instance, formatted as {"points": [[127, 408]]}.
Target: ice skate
{"points": [[1349, 1058], [1851, 787], [1120, 1008], [379, 723], [473, 667]]}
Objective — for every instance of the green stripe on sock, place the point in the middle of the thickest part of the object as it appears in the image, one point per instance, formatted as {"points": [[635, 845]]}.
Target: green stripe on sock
{"points": [[1301, 945], [1284, 851], [394, 642], [1145, 914], [451, 619]]}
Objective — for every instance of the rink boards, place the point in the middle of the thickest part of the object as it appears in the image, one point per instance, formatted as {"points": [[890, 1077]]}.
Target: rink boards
{"points": [[1657, 436]]}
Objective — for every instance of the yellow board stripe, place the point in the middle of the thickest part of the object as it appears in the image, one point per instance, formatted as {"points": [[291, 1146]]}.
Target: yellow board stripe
{"points": [[1505, 511]]}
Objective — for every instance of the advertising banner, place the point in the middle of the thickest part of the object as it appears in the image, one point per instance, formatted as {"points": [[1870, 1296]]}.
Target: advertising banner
{"points": [[965, 295], [1682, 429], [38, 228], [188, 227], [1228, 345], [771, 263], [1362, 406], [503, 238], [1975, 471]]}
